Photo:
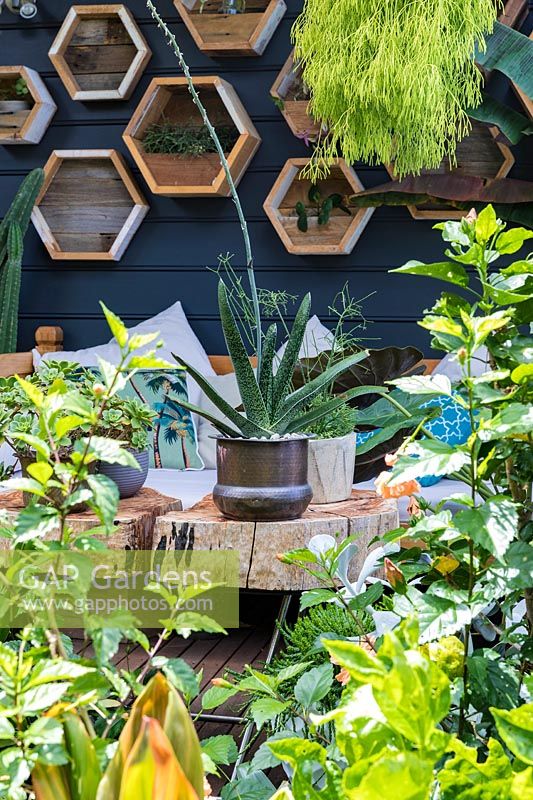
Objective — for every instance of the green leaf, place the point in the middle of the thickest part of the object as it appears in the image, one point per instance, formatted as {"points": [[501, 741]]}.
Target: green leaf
{"points": [[42, 697], [252, 399], [314, 685], [522, 373], [516, 729], [42, 471], [266, 709], [31, 391], [383, 434], [34, 442], [427, 385], [492, 526], [464, 777], [511, 241], [508, 50], [220, 749], [117, 327], [437, 616], [188, 621], [290, 672], [315, 597], [513, 421], [363, 667], [486, 224], [283, 376], [399, 776], [511, 123], [105, 497], [303, 421], [108, 450], [366, 598], [216, 695], [182, 676], [432, 458], [443, 270]]}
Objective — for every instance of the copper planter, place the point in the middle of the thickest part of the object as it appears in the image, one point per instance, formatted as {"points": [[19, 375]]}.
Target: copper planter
{"points": [[262, 481]]}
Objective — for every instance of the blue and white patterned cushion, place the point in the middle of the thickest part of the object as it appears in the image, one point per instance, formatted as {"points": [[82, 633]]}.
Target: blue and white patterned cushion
{"points": [[451, 426]]}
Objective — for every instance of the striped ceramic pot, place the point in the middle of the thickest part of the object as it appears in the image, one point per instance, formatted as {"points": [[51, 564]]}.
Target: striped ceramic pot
{"points": [[128, 479]]}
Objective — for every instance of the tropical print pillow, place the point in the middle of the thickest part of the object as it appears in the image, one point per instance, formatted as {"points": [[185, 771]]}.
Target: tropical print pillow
{"points": [[174, 442]]}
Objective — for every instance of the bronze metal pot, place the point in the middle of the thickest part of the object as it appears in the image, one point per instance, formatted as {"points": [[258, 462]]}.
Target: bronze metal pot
{"points": [[262, 481]]}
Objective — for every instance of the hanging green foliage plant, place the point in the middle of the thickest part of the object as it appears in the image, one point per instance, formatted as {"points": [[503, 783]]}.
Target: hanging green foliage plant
{"points": [[392, 79]]}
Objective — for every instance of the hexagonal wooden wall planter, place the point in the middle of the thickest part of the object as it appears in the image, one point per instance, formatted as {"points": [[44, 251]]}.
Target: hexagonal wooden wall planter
{"points": [[89, 207], [168, 101], [220, 29], [479, 154], [336, 237], [24, 118], [99, 52], [526, 101], [289, 94]]}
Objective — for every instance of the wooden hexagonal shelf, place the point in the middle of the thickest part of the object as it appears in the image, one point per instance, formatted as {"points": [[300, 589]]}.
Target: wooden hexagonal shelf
{"points": [[89, 207], [99, 52], [167, 102], [24, 118], [480, 154], [290, 95], [231, 27], [335, 237]]}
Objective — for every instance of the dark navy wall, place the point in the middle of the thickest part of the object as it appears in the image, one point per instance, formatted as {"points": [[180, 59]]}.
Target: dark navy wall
{"points": [[167, 258]]}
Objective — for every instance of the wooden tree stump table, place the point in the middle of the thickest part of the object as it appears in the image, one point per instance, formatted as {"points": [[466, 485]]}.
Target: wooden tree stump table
{"points": [[135, 518], [203, 528]]}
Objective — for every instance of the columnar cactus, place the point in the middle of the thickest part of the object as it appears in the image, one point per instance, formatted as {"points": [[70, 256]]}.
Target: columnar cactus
{"points": [[12, 230]]}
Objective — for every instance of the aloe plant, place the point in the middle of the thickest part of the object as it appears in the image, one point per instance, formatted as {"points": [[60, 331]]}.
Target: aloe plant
{"points": [[12, 230], [272, 407]]}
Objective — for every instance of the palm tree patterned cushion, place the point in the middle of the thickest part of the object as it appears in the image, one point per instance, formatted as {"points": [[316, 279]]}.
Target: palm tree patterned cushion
{"points": [[174, 442]]}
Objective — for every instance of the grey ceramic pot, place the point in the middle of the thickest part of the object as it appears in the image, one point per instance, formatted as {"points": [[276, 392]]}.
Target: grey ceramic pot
{"points": [[128, 479], [262, 481]]}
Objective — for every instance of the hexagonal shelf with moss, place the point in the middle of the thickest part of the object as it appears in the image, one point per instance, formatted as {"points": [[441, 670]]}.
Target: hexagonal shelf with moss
{"points": [[89, 207], [480, 154], [334, 237], [231, 27], [26, 106], [167, 108], [99, 52], [292, 98]]}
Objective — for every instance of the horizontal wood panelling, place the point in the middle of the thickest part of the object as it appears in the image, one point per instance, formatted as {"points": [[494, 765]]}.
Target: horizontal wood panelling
{"points": [[167, 258]]}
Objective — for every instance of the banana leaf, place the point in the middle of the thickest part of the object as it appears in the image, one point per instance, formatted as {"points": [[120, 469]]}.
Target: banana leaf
{"points": [[512, 199], [380, 365], [512, 124], [509, 52]]}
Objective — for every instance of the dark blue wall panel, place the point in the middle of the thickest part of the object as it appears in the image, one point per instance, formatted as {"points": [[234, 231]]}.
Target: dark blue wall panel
{"points": [[167, 259]]}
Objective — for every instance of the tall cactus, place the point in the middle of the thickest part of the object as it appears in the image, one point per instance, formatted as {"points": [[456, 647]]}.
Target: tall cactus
{"points": [[12, 230]]}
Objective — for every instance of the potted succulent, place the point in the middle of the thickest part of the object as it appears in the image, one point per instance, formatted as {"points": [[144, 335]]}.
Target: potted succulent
{"points": [[15, 98], [129, 420], [262, 454]]}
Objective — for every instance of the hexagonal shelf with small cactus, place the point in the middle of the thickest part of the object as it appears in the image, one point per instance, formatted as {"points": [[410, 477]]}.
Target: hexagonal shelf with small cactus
{"points": [[312, 219], [89, 207], [231, 27], [26, 106], [99, 52], [480, 154], [292, 98], [167, 122]]}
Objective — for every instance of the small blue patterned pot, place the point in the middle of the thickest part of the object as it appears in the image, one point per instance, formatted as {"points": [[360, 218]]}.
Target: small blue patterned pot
{"points": [[128, 479]]}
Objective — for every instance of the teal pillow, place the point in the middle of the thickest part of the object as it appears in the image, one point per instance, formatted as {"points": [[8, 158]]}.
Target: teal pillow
{"points": [[173, 441], [451, 426]]}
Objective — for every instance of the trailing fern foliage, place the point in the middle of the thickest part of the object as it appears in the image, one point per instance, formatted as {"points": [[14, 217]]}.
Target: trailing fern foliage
{"points": [[392, 79], [12, 230]]}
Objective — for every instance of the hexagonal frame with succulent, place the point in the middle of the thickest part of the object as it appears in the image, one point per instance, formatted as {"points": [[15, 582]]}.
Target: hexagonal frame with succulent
{"points": [[26, 126], [336, 236]]}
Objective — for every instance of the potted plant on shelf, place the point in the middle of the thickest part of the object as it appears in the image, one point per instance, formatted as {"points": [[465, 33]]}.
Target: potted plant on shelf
{"points": [[15, 101], [131, 421]]}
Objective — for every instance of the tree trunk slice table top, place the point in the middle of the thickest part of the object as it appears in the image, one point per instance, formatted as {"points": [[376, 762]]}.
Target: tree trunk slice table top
{"points": [[135, 518], [203, 528]]}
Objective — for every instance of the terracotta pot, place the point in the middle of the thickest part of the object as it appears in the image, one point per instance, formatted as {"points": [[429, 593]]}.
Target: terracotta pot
{"points": [[262, 481], [331, 468], [128, 479]]}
